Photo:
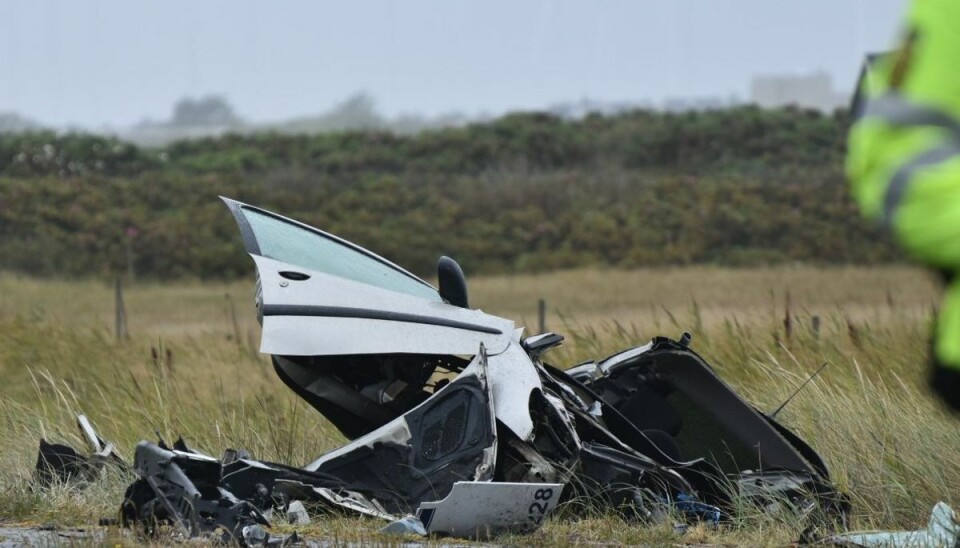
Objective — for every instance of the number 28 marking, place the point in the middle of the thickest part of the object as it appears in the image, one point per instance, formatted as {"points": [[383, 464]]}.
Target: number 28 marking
{"points": [[538, 510]]}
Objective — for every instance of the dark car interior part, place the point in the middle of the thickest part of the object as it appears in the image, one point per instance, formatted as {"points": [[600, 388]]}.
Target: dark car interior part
{"points": [[670, 389], [539, 344], [360, 393], [449, 437], [61, 464]]}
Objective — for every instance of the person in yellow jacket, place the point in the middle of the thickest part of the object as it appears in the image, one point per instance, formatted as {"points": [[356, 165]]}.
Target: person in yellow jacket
{"points": [[903, 162]]}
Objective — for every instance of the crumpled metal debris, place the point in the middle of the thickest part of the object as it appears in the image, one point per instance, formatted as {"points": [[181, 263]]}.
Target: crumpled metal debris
{"points": [[199, 495]]}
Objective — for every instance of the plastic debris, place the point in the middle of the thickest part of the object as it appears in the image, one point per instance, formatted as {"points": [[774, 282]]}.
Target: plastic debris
{"points": [[943, 530], [408, 525], [297, 514]]}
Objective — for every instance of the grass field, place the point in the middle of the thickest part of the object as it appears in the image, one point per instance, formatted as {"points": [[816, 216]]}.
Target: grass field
{"points": [[191, 367]]}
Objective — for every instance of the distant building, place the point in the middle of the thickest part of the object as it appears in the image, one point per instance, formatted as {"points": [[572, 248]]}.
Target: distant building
{"points": [[809, 91]]}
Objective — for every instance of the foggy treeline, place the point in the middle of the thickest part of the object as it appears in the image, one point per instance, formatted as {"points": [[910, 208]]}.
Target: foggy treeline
{"points": [[524, 192], [212, 115]]}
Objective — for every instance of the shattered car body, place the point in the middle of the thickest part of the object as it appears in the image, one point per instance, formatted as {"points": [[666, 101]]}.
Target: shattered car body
{"points": [[456, 419]]}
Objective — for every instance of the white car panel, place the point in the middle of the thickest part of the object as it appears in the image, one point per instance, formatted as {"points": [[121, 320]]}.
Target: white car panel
{"points": [[313, 336], [512, 378], [327, 315]]}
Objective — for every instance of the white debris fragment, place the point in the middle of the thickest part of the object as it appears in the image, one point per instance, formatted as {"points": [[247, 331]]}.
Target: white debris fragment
{"points": [[943, 530], [408, 525], [297, 514]]}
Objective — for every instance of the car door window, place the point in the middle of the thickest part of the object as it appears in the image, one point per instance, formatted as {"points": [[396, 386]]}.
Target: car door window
{"points": [[295, 244]]}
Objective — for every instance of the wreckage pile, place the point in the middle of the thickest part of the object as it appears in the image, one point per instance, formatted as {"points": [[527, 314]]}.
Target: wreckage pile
{"points": [[453, 466], [458, 425]]}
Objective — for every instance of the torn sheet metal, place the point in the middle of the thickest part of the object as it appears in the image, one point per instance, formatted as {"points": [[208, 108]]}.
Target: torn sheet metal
{"points": [[513, 381]]}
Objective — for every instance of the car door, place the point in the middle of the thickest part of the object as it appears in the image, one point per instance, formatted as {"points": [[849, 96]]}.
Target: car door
{"points": [[320, 295]]}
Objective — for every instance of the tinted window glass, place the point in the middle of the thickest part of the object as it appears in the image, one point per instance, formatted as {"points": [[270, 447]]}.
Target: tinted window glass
{"points": [[299, 246]]}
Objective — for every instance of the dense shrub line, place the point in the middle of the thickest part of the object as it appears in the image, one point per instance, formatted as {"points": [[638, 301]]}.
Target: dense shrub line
{"points": [[524, 192]]}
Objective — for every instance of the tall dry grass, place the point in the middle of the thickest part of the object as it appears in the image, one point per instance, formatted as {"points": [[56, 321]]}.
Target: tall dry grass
{"points": [[190, 367]]}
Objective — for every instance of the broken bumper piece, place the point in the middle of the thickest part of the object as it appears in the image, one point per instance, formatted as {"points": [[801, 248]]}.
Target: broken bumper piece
{"points": [[484, 509]]}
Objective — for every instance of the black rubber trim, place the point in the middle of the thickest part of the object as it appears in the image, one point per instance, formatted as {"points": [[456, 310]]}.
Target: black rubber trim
{"points": [[370, 314]]}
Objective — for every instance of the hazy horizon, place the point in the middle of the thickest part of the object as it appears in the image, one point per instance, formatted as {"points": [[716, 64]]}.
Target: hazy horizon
{"points": [[109, 63]]}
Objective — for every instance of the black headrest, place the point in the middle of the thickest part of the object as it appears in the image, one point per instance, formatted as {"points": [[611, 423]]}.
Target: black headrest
{"points": [[453, 284]]}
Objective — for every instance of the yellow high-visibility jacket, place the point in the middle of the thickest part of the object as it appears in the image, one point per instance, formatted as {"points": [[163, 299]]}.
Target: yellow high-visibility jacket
{"points": [[903, 158]]}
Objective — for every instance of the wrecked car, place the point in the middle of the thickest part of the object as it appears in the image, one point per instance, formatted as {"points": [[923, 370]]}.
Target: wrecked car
{"points": [[458, 424]]}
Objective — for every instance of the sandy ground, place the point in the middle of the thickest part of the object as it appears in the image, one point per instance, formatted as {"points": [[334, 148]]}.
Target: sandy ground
{"points": [[51, 536], [13, 536]]}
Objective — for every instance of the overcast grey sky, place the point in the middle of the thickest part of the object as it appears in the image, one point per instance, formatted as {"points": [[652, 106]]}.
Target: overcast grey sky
{"points": [[96, 62]]}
